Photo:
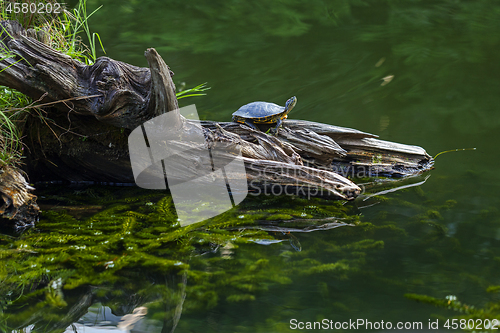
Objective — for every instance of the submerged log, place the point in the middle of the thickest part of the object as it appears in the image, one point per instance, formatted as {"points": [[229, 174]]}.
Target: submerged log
{"points": [[83, 134]]}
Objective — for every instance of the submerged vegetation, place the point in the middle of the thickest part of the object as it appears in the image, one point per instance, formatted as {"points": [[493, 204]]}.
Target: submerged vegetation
{"points": [[123, 248], [136, 231]]}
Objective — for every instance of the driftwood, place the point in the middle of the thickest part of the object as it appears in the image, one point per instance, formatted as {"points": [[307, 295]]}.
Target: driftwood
{"points": [[82, 136], [17, 203]]}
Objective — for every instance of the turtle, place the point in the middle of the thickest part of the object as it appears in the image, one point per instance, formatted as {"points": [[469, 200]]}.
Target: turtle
{"points": [[264, 113]]}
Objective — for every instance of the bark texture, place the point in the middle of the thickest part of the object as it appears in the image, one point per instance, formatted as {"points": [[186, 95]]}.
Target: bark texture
{"points": [[18, 206]]}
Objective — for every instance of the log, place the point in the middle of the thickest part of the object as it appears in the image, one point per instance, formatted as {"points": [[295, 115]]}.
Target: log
{"points": [[17, 204], [81, 134]]}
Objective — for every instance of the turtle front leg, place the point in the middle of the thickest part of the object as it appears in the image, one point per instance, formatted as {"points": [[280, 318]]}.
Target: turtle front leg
{"points": [[274, 130], [250, 123]]}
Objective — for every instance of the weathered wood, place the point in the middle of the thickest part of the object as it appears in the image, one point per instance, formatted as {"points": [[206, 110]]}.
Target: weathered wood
{"points": [[346, 151], [123, 89], [86, 138], [163, 97], [17, 204]]}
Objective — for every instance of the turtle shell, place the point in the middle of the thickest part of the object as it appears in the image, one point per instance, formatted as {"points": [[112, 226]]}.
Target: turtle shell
{"points": [[260, 112]]}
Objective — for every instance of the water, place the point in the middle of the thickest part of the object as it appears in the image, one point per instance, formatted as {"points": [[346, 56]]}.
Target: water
{"points": [[437, 239]]}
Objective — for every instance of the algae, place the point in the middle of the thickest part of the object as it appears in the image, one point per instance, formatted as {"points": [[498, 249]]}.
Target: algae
{"points": [[129, 251], [134, 243]]}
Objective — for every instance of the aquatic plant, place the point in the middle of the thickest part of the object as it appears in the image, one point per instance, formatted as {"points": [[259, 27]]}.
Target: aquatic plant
{"points": [[137, 232], [486, 319], [192, 92], [123, 249]]}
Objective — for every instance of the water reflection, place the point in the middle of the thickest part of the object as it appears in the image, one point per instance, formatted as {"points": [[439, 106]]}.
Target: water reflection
{"points": [[329, 55]]}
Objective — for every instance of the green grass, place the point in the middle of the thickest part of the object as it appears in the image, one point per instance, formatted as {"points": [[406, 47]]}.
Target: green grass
{"points": [[193, 92], [10, 130], [63, 31], [76, 23]]}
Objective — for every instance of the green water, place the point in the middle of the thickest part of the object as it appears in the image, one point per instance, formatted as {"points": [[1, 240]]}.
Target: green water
{"points": [[125, 249]]}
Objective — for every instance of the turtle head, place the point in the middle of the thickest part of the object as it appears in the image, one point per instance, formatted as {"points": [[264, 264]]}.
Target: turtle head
{"points": [[290, 104]]}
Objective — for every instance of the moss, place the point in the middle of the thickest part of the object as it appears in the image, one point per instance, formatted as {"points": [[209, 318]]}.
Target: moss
{"points": [[451, 303], [419, 191], [493, 289], [450, 203], [279, 217], [114, 245], [434, 214], [127, 247], [240, 298]]}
